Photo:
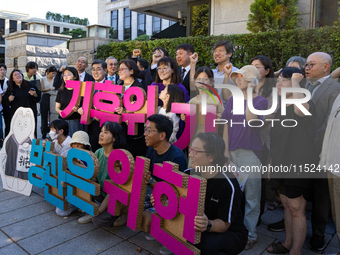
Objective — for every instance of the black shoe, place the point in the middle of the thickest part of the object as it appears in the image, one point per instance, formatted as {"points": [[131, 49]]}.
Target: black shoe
{"points": [[277, 226], [317, 243]]}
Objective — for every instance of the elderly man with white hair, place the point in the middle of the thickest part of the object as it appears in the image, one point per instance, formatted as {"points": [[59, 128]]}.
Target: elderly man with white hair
{"points": [[324, 91]]}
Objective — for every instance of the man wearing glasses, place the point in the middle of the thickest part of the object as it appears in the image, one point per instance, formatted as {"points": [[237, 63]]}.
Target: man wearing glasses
{"points": [[324, 91], [157, 134]]}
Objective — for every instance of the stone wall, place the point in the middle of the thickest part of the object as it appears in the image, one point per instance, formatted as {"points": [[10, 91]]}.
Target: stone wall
{"points": [[44, 48]]}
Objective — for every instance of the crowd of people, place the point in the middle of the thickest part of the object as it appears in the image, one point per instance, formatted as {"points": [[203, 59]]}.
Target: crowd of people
{"points": [[231, 216]]}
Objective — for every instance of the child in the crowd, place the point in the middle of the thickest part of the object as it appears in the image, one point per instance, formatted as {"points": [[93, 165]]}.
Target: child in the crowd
{"points": [[80, 140], [59, 135], [171, 94]]}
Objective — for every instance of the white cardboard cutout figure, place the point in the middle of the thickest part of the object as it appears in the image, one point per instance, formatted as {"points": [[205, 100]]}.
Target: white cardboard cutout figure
{"points": [[15, 153]]}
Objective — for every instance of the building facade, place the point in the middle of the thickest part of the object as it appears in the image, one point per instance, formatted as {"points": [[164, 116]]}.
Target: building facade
{"points": [[128, 24], [231, 16], [11, 22]]}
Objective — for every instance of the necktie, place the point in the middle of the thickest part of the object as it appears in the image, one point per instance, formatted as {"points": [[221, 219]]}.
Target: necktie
{"points": [[111, 78], [182, 73], [313, 86]]}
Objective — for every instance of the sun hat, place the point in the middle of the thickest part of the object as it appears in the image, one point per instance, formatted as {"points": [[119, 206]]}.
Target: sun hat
{"points": [[80, 137], [249, 72]]}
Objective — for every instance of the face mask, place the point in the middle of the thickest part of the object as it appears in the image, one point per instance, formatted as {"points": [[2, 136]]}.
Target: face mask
{"points": [[53, 135]]}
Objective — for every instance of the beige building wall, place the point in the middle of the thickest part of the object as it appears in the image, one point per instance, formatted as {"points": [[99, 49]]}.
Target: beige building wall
{"points": [[231, 16]]}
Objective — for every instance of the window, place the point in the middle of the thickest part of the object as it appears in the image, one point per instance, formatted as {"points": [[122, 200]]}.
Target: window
{"points": [[172, 22], [2, 55], [2, 31], [12, 26], [56, 30], [66, 29], [141, 19], [114, 25], [24, 25], [48, 29], [156, 25], [127, 24]]}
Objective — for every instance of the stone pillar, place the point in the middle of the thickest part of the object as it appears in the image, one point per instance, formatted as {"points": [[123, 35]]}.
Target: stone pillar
{"points": [[86, 47], [54, 115], [44, 48]]}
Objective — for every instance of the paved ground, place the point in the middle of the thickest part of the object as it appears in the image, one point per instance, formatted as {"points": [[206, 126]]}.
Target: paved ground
{"points": [[29, 225]]}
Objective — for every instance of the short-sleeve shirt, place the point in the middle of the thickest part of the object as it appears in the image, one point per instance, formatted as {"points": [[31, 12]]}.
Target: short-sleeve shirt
{"points": [[223, 200], [64, 98], [103, 174], [64, 147], [244, 136], [173, 154]]}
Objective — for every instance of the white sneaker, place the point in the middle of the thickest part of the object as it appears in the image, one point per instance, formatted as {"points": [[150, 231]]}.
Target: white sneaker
{"points": [[85, 219], [121, 221], [165, 251], [149, 237]]}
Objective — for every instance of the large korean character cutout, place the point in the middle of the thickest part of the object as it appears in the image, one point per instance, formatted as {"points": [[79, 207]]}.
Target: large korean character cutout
{"points": [[177, 201], [83, 166], [76, 87], [127, 185]]}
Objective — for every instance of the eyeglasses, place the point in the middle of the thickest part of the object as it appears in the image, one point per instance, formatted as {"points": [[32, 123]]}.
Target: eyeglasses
{"points": [[97, 70], [67, 75], [147, 131], [122, 69], [194, 151], [310, 65], [219, 51], [162, 69]]}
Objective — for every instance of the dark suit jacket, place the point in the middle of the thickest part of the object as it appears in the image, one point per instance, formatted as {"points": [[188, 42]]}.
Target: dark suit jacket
{"points": [[88, 77], [116, 79], [186, 83], [323, 100]]}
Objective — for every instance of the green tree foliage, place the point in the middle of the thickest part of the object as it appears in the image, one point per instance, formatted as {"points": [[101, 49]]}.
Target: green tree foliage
{"points": [[200, 20], [337, 23], [142, 38], [269, 15], [75, 33], [279, 46], [66, 18]]}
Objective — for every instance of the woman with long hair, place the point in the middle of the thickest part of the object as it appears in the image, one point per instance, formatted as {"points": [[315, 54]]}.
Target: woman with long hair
{"points": [[167, 73], [63, 99], [22, 93]]}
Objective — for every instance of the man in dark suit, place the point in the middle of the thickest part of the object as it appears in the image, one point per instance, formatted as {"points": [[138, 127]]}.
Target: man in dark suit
{"points": [[324, 91], [112, 64], [81, 65], [183, 53]]}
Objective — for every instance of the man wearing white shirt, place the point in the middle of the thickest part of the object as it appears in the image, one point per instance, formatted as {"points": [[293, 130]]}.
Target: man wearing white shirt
{"points": [[223, 50], [81, 65], [324, 91], [183, 53], [111, 69]]}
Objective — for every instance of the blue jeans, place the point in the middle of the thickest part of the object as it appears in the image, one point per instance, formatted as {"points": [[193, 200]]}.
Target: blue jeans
{"points": [[1, 127], [74, 126], [252, 188]]}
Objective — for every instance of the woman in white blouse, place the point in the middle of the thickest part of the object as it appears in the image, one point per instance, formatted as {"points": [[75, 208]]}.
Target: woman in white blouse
{"points": [[46, 86]]}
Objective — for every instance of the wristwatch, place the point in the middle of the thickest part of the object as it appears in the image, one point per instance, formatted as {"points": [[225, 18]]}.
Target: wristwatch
{"points": [[209, 226]]}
